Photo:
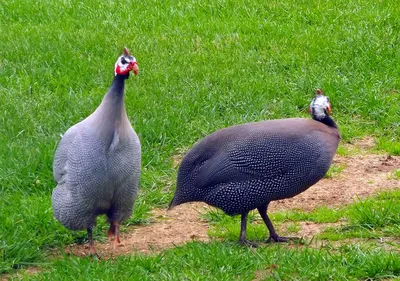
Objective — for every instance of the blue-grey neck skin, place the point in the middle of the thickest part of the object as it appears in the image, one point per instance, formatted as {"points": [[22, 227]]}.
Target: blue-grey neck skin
{"points": [[113, 101], [117, 87], [111, 116]]}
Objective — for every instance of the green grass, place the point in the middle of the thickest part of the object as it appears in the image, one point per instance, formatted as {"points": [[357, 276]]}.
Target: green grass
{"points": [[395, 174], [227, 261], [335, 170], [204, 65], [375, 217]]}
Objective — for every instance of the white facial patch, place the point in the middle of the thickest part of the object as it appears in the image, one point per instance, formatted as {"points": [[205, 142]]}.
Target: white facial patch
{"points": [[318, 105], [123, 62]]}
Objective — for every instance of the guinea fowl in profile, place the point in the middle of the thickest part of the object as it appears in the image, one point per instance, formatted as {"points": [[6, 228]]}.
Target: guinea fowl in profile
{"points": [[245, 167], [97, 163]]}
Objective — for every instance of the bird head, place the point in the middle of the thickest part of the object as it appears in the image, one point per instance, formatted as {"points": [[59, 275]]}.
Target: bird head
{"points": [[125, 64], [320, 105]]}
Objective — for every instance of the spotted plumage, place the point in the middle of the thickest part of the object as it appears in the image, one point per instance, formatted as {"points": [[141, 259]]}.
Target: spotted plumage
{"points": [[97, 163], [244, 167]]}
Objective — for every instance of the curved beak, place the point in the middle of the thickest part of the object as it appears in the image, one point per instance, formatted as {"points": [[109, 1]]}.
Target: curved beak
{"points": [[328, 108], [135, 68]]}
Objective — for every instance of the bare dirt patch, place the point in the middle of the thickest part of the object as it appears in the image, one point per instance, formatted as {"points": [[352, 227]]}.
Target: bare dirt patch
{"points": [[364, 144], [363, 175], [167, 229]]}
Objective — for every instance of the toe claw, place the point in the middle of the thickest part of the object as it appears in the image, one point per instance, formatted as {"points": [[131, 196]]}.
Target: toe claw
{"points": [[247, 243], [280, 239], [93, 253]]}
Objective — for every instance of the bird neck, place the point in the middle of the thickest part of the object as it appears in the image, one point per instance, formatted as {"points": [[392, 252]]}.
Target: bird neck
{"points": [[327, 120], [117, 88], [113, 101], [110, 117]]}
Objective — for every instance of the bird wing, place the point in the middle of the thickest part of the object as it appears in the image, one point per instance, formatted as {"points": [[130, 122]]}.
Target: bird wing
{"points": [[79, 162], [254, 158], [61, 155]]}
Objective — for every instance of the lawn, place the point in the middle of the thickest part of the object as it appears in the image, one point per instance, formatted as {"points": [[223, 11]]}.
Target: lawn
{"points": [[204, 65]]}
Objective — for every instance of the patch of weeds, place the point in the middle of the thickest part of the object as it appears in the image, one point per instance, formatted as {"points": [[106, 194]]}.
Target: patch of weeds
{"points": [[374, 217], [354, 231], [156, 187], [335, 170], [293, 227], [395, 175], [346, 150], [215, 216], [141, 213], [378, 265], [321, 214], [375, 212], [392, 146]]}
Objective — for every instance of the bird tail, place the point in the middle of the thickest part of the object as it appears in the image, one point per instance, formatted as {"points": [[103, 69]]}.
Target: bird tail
{"points": [[173, 203]]}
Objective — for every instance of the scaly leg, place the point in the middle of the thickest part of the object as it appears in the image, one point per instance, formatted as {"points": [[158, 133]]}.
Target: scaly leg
{"points": [[243, 226], [92, 250], [111, 232], [272, 232], [116, 239], [114, 232]]}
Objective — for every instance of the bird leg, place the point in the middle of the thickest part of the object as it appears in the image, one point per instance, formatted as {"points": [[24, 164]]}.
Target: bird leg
{"points": [[242, 238], [92, 250], [114, 232], [111, 232], [272, 232]]}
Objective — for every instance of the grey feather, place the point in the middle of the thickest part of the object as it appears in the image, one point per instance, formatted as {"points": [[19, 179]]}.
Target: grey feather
{"points": [[97, 166]]}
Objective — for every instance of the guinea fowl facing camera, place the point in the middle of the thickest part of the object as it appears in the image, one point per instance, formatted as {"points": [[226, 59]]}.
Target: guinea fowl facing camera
{"points": [[97, 163], [245, 167]]}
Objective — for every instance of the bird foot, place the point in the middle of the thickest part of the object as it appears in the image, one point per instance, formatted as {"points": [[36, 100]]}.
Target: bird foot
{"points": [[279, 239], [112, 233], [247, 243], [115, 243], [93, 253], [114, 238]]}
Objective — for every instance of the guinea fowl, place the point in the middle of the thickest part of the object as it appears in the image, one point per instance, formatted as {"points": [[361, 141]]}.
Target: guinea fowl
{"points": [[97, 163], [245, 167]]}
